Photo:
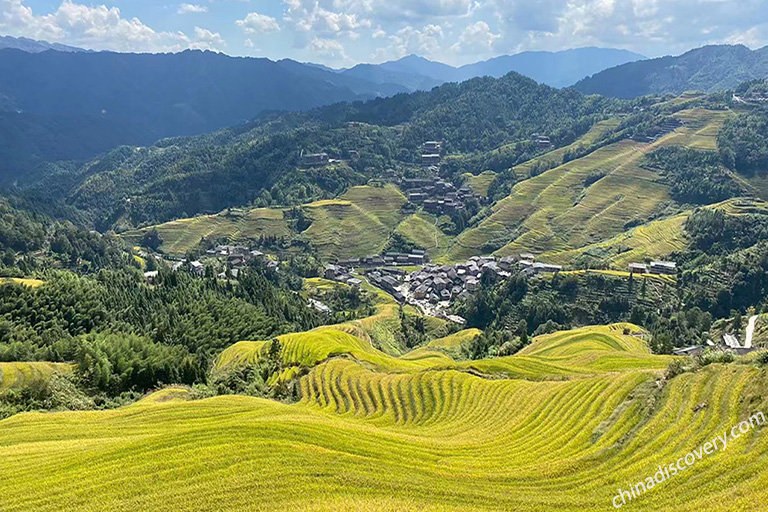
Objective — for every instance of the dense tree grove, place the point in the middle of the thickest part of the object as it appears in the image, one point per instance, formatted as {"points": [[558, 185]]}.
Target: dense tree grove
{"points": [[714, 232], [519, 307], [113, 323], [693, 176], [743, 142], [29, 241]]}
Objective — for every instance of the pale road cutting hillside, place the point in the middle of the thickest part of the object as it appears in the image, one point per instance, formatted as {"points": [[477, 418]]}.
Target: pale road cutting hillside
{"points": [[750, 331]]}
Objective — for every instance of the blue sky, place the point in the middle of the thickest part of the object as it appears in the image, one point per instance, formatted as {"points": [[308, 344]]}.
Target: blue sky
{"points": [[346, 32]]}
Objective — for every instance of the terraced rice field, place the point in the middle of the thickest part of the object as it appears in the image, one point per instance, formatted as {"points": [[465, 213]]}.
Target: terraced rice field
{"points": [[357, 224], [554, 212], [653, 240], [183, 235], [555, 157], [649, 241], [420, 229], [364, 438], [453, 343], [700, 128], [479, 183], [19, 375]]}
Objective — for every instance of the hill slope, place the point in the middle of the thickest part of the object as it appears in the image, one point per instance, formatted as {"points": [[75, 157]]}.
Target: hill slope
{"points": [[405, 438], [563, 209], [709, 68], [204, 174]]}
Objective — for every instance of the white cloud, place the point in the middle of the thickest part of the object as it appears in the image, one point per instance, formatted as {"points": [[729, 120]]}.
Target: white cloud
{"points": [[476, 38], [191, 9], [316, 16], [255, 23], [328, 48], [425, 41], [98, 27], [207, 40], [652, 27]]}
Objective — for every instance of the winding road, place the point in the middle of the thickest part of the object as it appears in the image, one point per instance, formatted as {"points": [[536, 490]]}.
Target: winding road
{"points": [[750, 331]]}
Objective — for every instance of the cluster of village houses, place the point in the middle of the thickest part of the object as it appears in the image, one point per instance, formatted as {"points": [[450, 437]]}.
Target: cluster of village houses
{"points": [[233, 258], [433, 287], [437, 196]]}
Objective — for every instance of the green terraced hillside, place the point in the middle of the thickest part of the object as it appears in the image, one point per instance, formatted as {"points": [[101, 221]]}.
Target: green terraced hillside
{"points": [[481, 182], [183, 235], [564, 208], [357, 224], [421, 230]]}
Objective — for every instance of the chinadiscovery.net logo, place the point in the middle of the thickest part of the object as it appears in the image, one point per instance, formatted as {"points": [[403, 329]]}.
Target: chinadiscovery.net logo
{"points": [[667, 471]]}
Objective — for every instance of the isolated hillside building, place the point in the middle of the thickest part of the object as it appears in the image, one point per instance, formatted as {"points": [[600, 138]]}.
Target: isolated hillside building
{"points": [[314, 159], [542, 141], [432, 147], [638, 268], [546, 267], [663, 267], [688, 351], [151, 276], [197, 268]]}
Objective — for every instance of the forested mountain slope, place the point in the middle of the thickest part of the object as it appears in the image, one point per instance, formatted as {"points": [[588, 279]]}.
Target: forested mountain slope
{"points": [[707, 69], [104, 99], [184, 176]]}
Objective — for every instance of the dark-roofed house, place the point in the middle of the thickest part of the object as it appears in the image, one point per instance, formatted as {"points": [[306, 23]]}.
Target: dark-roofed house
{"points": [[314, 159], [663, 267]]}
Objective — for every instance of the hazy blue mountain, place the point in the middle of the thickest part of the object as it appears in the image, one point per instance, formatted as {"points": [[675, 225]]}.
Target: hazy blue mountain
{"points": [[32, 46], [557, 69], [381, 75], [422, 66], [357, 84], [706, 69]]}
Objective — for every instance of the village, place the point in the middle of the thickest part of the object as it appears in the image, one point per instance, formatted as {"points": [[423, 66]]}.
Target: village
{"points": [[433, 288], [232, 258]]}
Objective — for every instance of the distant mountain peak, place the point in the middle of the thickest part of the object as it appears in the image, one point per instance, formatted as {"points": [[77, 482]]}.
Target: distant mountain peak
{"points": [[32, 46]]}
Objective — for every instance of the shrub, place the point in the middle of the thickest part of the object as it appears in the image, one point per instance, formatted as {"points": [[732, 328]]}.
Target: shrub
{"points": [[714, 357]]}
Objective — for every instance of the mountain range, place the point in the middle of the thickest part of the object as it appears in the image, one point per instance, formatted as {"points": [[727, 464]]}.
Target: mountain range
{"points": [[706, 69], [557, 69], [33, 46], [63, 103]]}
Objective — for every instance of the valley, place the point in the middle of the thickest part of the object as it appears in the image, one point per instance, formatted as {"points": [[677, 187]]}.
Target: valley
{"points": [[384, 287]]}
